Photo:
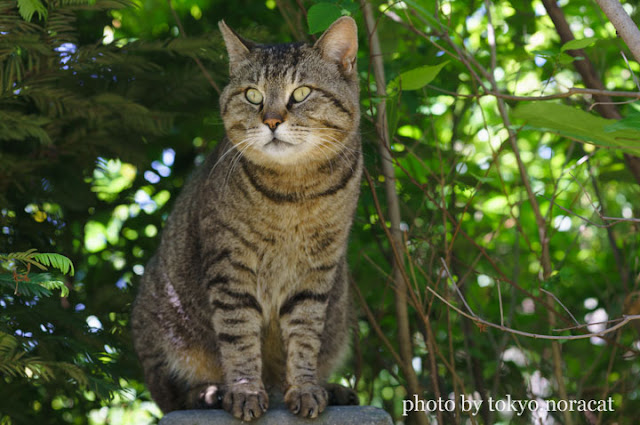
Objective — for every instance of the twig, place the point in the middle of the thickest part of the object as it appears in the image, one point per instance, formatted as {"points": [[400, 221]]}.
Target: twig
{"points": [[623, 321], [633, 74], [560, 302], [399, 274], [500, 302], [619, 219], [453, 283], [573, 91], [617, 255]]}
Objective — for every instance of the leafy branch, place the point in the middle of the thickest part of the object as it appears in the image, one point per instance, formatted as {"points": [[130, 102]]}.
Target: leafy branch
{"points": [[15, 363], [41, 284]]}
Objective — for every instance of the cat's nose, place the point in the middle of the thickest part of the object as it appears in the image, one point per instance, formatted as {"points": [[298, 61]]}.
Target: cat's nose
{"points": [[272, 119]]}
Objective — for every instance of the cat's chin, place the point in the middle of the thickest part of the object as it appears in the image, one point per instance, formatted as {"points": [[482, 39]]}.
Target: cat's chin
{"points": [[278, 145], [279, 152]]}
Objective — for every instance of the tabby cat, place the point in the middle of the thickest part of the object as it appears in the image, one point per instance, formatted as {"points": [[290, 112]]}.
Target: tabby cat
{"points": [[248, 292]]}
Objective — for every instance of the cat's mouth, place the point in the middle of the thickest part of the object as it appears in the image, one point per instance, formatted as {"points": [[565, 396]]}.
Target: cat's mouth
{"points": [[278, 146], [275, 142]]}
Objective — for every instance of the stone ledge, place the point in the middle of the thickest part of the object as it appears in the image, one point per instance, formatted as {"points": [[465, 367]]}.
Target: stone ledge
{"points": [[334, 415]]}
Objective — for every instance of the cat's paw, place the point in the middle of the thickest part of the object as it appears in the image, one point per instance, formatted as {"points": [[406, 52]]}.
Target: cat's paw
{"points": [[341, 396], [205, 396], [306, 400], [245, 401]]}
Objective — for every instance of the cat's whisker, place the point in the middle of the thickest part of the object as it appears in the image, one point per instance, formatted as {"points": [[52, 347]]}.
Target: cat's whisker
{"points": [[326, 156], [236, 159], [320, 128], [335, 140], [232, 147], [341, 153]]}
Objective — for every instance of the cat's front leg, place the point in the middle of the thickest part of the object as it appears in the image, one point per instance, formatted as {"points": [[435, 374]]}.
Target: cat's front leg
{"points": [[302, 319], [237, 322]]}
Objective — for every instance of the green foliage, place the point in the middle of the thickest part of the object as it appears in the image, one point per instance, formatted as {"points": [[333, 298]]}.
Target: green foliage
{"points": [[104, 114], [16, 363], [630, 122], [578, 44], [70, 103], [40, 260], [56, 261], [416, 78], [321, 15], [28, 8], [579, 125], [40, 284]]}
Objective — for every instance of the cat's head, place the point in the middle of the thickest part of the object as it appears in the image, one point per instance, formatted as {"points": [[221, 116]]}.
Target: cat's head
{"points": [[291, 104]]}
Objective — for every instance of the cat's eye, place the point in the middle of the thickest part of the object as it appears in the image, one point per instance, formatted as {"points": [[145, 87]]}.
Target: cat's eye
{"points": [[301, 93], [253, 96]]}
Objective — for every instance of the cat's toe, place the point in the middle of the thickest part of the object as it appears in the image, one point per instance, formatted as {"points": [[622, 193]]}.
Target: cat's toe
{"points": [[306, 401], [246, 402]]}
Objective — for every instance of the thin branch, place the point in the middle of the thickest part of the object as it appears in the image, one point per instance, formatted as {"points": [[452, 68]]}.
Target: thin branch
{"points": [[399, 274], [560, 302], [500, 303], [573, 91], [622, 321], [455, 286]]}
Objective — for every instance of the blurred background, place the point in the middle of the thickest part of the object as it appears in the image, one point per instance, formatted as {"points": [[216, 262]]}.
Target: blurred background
{"points": [[501, 211]]}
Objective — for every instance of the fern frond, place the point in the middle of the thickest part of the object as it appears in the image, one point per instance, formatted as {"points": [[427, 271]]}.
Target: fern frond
{"points": [[16, 363], [60, 26], [18, 127], [38, 285], [19, 256], [41, 260], [8, 343], [57, 261], [28, 8], [96, 4]]}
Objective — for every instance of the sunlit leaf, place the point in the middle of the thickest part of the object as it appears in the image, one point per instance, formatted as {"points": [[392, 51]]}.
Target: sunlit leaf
{"points": [[416, 78], [565, 59], [578, 44], [577, 125], [321, 15], [630, 122]]}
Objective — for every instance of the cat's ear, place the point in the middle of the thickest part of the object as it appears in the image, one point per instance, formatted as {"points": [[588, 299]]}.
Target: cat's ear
{"points": [[339, 43], [237, 47]]}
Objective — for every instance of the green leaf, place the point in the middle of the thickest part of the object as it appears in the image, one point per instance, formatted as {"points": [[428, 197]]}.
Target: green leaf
{"points": [[415, 79], [631, 122], [320, 16], [578, 44], [28, 8], [57, 261], [565, 59], [545, 53], [577, 125]]}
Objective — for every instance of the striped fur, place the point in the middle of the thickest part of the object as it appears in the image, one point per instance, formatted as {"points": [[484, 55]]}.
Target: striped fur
{"points": [[248, 291]]}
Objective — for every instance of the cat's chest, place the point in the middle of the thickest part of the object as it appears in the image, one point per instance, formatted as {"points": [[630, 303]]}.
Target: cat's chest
{"points": [[283, 266], [285, 260]]}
